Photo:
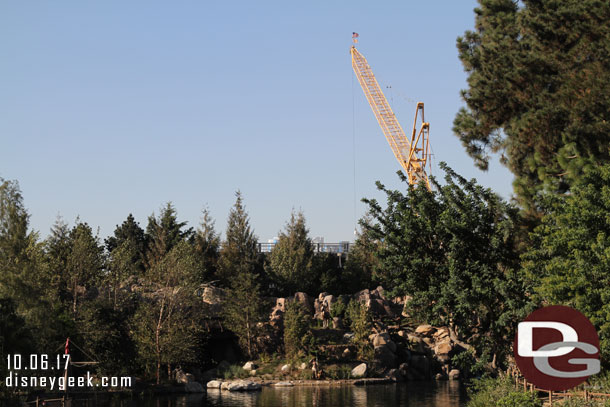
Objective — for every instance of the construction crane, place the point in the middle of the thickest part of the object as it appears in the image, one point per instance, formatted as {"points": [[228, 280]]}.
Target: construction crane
{"points": [[413, 155]]}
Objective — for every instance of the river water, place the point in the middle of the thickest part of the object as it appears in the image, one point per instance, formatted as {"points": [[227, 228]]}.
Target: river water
{"points": [[419, 394]]}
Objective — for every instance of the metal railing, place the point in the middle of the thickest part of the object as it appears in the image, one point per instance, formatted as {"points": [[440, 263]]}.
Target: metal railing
{"points": [[339, 248]]}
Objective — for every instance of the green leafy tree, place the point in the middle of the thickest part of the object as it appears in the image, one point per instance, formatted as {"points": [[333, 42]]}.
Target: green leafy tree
{"points": [[207, 246], [454, 252], [538, 90], [163, 233], [167, 326], [290, 261], [569, 258], [298, 338]]}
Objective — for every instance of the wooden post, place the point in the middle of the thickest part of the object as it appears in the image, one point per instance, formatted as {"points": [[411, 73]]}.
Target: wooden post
{"points": [[37, 399], [551, 398], [586, 395]]}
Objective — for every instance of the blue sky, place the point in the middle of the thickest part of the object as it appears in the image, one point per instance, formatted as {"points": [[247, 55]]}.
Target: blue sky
{"points": [[110, 108]]}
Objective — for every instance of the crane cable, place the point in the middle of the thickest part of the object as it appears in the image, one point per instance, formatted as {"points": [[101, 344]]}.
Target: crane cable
{"points": [[354, 150]]}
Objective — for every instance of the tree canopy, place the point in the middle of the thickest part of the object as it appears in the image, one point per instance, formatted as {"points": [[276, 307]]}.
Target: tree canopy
{"points": [[453, 251], [538, 90]]}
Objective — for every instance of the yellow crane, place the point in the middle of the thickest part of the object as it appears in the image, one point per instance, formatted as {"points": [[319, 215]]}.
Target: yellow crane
{"points": [[413, 154]]}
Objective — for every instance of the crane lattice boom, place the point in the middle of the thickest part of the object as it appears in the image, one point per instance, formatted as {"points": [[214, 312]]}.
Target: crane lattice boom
{"points": [[412, 154]]}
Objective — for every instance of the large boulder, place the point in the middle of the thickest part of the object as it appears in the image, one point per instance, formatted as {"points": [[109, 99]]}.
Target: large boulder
{"points": [[454, 374], [214, 384], [383, 340], [359, 371], [244, 385], [249, 366]]}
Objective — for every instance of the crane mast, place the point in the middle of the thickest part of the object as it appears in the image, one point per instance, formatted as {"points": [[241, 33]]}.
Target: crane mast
{"points": [[412, 154]]}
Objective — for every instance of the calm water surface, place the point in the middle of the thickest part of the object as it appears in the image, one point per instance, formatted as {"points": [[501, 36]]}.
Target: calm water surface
{"points": [[420, 394]]}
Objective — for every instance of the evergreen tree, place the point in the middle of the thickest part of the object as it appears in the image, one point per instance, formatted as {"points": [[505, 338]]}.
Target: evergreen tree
{"points": [[239, 270], [245, 310], [298, 338], [569, 258], [454, 252], [14, 239], [163, 233], [239, 253], [361, 262], [131, 232], [290, 261], [538, 90], [84, 265], [207, 246]]}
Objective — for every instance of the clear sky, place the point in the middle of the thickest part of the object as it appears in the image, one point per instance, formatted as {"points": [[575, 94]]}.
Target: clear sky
{"points": [[116, 107]]}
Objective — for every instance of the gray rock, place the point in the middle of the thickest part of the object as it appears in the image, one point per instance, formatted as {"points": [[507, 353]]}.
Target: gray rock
{"points": [[283, 384], [249, 366], [244, 385], [214, 384], [359, 371], [286, 368]]}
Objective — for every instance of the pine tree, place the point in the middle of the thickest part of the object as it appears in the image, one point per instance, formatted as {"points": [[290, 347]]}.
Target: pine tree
{"points": [[239, 270], [239, 253], [84, 264], [298, 338], [290, 262], [130, 231], [569, 258], [207, 246], [163, 233], [538, 90]]}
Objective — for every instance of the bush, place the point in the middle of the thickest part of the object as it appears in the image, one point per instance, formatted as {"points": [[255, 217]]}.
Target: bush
{"points": [[360, 324], [338, 372], [500, 393], [235, 372]]}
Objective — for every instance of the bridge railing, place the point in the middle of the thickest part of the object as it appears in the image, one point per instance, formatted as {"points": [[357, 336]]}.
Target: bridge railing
{"points": [[339, 248]]}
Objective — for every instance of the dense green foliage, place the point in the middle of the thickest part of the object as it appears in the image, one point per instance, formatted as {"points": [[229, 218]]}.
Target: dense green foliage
{"points": [[298, 339], [538, 90], [453, 251], [239, 266], [569, 258], [500, 392], [360, 324], [290, 262]]}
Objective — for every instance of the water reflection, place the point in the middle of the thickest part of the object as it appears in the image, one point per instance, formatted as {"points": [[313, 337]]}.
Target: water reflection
{"points": [[420, 394], [440, 394]]}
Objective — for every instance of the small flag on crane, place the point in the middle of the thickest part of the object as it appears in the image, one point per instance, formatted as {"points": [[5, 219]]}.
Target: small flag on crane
{"points": [[355, 37]]}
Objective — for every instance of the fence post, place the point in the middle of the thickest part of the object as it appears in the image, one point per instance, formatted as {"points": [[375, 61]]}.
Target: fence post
{"points": [[37, 399], [551, 397]]}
